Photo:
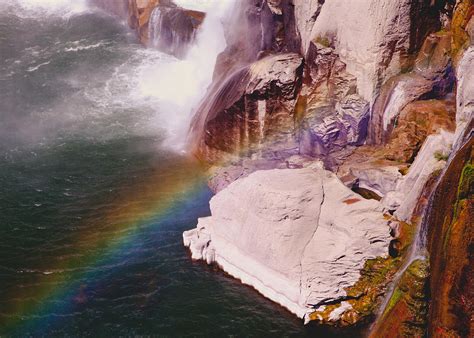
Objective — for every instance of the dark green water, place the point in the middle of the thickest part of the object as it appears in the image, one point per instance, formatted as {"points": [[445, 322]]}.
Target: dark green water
{"points": [[92, 205]]}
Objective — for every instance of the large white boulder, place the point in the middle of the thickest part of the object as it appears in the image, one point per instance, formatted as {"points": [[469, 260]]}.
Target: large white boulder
{"points": [[299, 237]]}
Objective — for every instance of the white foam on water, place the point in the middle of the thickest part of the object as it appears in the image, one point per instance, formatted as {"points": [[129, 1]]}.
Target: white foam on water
{"points": [[47, 7]]}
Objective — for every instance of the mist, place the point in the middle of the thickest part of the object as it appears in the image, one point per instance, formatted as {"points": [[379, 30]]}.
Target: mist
{"points": [[100, 87]]}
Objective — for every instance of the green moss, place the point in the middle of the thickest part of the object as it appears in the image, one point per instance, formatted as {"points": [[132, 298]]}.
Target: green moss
{"points": [[396, 296], [324, 41], [466, 183], [440, 156]]}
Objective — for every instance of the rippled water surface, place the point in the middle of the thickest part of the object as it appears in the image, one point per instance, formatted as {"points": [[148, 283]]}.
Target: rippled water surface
{"points": [[92, 204]]}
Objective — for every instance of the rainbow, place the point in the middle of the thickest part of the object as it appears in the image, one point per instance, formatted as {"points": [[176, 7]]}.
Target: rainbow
{"points": [[58, 290]]}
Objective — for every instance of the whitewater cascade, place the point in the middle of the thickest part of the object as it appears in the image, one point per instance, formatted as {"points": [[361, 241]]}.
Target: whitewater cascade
{"points": [[179, 84]]}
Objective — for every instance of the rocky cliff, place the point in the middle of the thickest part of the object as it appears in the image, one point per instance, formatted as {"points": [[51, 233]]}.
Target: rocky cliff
{"points": [[381, 93]]}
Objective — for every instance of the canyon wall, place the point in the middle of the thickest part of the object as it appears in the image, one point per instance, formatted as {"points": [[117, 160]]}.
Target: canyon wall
{"points": [[349, 50]]}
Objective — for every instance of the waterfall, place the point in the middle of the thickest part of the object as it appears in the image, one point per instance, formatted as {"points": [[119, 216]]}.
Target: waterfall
{"points": [[178, 85], [418, 249], [155, 24]]}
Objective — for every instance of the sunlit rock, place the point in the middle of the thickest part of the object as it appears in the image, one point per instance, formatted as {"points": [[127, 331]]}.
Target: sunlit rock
{"points": [[431, 158], [299, 237]]}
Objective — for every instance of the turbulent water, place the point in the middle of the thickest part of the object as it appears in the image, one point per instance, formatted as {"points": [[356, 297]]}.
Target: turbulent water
{"points": [[93, 201]]}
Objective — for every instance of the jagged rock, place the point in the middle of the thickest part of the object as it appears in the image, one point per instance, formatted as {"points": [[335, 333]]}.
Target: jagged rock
{"points": [[255, 105], [416, 121], [277, 231], [431, 158], [326, 129]]}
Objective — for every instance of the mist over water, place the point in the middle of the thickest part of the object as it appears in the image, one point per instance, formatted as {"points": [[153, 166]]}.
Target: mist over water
{"points": [[93, 198]]}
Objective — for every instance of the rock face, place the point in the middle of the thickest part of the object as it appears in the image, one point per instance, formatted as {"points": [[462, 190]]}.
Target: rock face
{"points": [[451, 242], [432, 158], [345, 63], [173, 29], [278, 231], [254, 106], [432, 76], [372, 37], [407, 310]]}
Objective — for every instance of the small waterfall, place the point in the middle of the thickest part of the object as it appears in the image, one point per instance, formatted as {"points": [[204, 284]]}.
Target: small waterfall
{"points": [[173, 30], [418, 250], [155, 24]]}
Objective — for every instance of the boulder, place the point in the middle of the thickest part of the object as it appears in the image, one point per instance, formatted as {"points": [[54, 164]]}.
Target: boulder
{"points": [[278, 231], [253, 106]]}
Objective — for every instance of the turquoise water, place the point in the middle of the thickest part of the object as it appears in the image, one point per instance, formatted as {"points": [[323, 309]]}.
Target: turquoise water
{"points": [[93, 205]]}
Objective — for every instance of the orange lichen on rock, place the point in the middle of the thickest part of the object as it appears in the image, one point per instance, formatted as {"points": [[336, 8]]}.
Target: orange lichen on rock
{"points": [[418, 120], [351, 201], [462, 15]]}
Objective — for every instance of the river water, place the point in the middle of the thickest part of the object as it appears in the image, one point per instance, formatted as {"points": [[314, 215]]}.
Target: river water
{"points": [[93, 200]]}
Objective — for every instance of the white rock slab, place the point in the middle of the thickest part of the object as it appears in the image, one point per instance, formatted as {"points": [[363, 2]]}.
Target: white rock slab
{"points": [[299, 237]]}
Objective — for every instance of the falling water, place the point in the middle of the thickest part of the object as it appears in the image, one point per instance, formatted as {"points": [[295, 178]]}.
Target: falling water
{"points": [[183, 82], [418, 250], [154, 26]]}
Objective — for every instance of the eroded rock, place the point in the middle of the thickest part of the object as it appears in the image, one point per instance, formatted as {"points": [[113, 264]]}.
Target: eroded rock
{"points": [[252, 107]]}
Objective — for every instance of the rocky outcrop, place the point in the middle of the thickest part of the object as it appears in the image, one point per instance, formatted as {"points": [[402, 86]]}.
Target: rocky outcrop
{"points": [[286, 241], [372, 37], [254, 106], [340, 82], [432, 157], [416, 121], [172, 29], [431, 77], [159, 24]]}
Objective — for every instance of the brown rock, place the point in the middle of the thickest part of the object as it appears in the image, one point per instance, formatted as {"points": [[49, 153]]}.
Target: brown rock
{"points": [[254, 105], [451, 246], [418, 120]]}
